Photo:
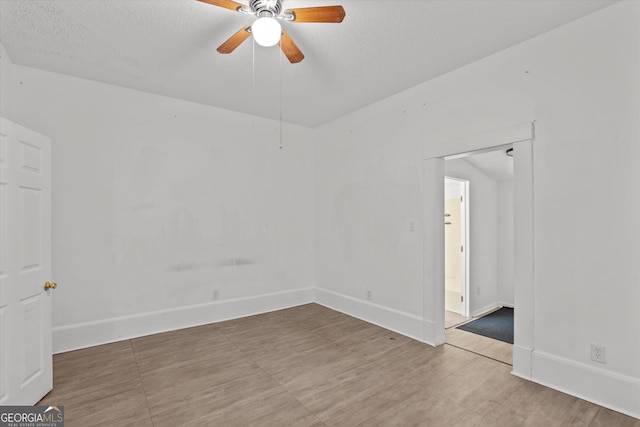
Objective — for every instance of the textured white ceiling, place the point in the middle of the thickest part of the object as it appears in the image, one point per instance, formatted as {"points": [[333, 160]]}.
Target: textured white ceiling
{"points": [[168, 47]]}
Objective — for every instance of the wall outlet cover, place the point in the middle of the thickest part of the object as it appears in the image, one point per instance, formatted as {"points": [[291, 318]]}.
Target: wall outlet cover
{"points": [[598, 353]]}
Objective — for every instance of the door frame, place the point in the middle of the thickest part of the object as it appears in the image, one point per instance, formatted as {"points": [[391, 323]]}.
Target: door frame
{"points": [[521, 137]]}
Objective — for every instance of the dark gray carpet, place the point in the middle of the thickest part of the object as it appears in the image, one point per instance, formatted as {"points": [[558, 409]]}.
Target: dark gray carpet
{"points": [[497, 325]]}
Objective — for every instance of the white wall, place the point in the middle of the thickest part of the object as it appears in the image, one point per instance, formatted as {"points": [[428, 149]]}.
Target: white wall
{"points": [[452, 188], [158, 202], [483, 241], [505, 243], [580, 84], [368, 225], [6, 75]]}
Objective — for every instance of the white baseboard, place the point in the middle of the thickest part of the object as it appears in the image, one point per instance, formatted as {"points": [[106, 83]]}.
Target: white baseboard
{"points": [[605, 388], [522, 362], [73, 337], [505, 304], [401, 322], [483, 310]]}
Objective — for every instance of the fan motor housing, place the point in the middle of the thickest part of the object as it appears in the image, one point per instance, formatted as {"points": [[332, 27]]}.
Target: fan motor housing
{"points": [[268, 8]]}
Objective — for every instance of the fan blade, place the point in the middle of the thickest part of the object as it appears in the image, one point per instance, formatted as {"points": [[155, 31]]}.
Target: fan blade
{"points": [[317, 14], [235, 40], [293, 53], [227, 4]]}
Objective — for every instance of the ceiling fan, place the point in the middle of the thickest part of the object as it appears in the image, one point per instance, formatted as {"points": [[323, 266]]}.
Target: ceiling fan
{"points": [[267, 31]]}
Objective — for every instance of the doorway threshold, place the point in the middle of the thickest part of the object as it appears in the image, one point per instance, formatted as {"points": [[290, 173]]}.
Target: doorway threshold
{"points": [[453, 319], [488, 347]]}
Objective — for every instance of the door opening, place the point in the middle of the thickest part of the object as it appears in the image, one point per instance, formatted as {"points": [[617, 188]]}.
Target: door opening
{"points": [[490, 172], [521, 138]]}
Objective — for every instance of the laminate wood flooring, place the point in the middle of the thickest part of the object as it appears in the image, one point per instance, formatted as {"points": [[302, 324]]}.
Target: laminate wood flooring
{"points": [[452, 319], [484, 346], [303, 366]]}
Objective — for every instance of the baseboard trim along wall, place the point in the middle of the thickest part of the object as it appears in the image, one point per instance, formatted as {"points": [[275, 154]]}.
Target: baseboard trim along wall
{"points": [[605, 388], [521, 361], [484, 310], [83, 335], [505, 304], [398, 321]]}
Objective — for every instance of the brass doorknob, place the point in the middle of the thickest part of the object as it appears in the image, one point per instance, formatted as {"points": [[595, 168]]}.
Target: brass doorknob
{"points": [[50, 285]]}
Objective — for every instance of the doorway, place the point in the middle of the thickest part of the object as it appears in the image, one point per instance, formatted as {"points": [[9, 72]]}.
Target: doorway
{"points": [[490, 175], [521, 138]]}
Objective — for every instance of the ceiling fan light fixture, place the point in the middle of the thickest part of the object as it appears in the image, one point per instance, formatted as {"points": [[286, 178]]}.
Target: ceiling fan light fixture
{"points": [[266, 31]]}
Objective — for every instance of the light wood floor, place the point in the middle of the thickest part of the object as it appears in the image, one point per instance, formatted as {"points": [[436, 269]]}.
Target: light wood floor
{"points": [[494, 349], [304, 366], [452, 319]]}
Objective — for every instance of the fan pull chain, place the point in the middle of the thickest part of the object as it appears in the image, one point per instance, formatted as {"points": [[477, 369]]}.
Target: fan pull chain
{"points": [[253, 83], [280, 70]]}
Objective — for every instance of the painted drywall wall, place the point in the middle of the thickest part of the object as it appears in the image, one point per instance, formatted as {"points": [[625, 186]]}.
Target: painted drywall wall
{"points": [[368, 226], [505, 235], [483, 240], [167, 213], [580, 84], [6, 73]]}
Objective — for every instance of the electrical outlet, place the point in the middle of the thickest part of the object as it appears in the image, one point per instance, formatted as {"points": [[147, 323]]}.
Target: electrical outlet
{"points": [[215, 295], [369, 295], [598, 353], [478, 290]]}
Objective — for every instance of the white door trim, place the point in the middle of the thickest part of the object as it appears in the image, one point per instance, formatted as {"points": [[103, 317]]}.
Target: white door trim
{"points": [[521, 137]]}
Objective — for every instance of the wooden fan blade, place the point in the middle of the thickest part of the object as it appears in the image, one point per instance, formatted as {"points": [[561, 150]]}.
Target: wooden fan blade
{"points": [[293, 53], [227, 4], [317, 14], [235, 40]]}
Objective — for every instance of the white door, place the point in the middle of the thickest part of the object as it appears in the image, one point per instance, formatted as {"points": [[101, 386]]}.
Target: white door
{"points": [[453, 247], [25, 265]]}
